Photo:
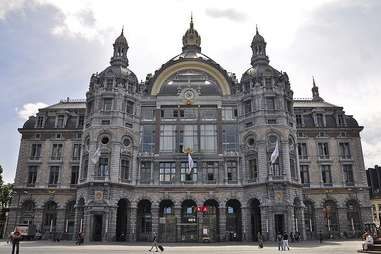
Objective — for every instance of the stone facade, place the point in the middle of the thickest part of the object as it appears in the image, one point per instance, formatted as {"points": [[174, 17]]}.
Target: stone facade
{"points": [[117, 166], [374, 183]]}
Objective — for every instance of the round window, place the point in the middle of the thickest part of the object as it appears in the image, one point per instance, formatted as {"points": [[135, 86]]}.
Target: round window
{"points": [[250, 141], [104, 140], [126, 142], [273, 139]]}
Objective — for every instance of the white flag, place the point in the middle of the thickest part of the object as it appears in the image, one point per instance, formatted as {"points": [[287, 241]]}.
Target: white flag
{"points": [[96, 155], [190, 164], [275, 153]]}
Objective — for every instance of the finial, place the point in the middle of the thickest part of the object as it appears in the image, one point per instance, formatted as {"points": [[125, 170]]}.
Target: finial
{"points": [[313, 81], [191, 23], [122, 30], [256, 28]]}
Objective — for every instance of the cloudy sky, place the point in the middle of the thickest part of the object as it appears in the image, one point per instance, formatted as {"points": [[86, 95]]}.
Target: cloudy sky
{"points": [[49, 48]]}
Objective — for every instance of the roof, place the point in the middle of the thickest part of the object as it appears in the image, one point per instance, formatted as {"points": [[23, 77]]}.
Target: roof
{"points": [[68, 104], [309, 103]]}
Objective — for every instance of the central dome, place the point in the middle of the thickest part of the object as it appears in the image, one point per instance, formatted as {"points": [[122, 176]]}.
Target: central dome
{"points": [[191, 39]]}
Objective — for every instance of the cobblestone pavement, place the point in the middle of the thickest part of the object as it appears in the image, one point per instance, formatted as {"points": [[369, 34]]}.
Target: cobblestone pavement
{"points": [[46, 247]]}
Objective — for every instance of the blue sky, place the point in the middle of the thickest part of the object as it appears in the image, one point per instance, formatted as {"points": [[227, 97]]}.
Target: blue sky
{"points": [[49, 49]]}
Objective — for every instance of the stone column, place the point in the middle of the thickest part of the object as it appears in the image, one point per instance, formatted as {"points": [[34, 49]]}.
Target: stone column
{"points": [[320, 221], [87, 225], [222, 223], [267, 223], [155, 217], [302, 225], [38, 213], [60, 221], [177, 210], [344, 223], [285, 153], [263, 171], [111, 234], [131, 230], [245, 223]]}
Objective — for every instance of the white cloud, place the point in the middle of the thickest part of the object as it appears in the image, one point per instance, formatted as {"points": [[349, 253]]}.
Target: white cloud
{"points": [[30, 109]]}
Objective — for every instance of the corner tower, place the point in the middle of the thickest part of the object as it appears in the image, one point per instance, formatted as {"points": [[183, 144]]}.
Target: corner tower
{"points": [[268, 133], [109, 141]]}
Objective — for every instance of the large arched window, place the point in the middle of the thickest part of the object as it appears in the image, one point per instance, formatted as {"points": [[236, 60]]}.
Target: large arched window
{"points": [[196, 80]]}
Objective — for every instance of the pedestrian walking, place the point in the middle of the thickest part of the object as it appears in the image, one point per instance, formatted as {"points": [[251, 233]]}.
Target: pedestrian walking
{"points": [[292, 236], [16, 237], [279, 239], [80, 238], [320, 236], [154, 243], [285, 242], [260, 240]]}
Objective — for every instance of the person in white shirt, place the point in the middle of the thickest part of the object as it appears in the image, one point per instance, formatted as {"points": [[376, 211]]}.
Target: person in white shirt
{"points": [[367, 242]]}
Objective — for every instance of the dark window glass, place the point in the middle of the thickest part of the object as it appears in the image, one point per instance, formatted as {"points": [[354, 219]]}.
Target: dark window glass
{"points": [[54, 174], [32, 175], [74, 174]]}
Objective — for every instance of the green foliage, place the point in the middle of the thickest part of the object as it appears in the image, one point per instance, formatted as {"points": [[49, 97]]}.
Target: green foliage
{"points": [[5, 191]]}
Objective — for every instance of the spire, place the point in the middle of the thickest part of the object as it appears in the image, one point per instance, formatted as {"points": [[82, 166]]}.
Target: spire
{"points": [[191, 23], [120, 51], [191, 39], [315, 91], [258, 46]]}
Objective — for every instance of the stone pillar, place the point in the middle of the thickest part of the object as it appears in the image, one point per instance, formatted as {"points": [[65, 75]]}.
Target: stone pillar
{"points": [[344, 223], [155, 217], [285, 153], [38, 214], [267, 223], [87, 225], [131, 230], [222, 223], [112, 214], [302, 225], [60, 221], [320, 221], [263, 171], [177, 210], [249, 229], [245, 223]]}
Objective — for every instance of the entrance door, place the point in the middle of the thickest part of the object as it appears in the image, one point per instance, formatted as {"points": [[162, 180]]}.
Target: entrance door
{"points": [[97, 232], [279, 223]]}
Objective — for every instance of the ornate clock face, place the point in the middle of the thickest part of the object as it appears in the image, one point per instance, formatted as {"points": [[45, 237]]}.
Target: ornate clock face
{"points": [[188, 94]]}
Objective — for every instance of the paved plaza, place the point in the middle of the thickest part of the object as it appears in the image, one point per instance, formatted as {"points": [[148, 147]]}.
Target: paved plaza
{"points": [[47, 247]]}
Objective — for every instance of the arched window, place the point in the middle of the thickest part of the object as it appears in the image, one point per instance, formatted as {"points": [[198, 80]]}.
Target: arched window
{"points": [[354, 216], [69, 217], [331, 216], [50, 216], [27, 212], [309, 217], [273, 156]]}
